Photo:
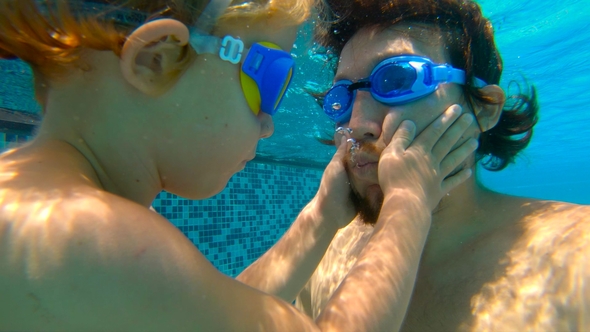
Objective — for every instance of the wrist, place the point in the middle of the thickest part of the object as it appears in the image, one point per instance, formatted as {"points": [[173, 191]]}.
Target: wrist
{"points": [[414, 198], [406, 202], [328, 213]]}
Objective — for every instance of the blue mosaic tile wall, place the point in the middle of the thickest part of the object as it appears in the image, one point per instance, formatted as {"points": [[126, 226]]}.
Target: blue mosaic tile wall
{"points": [[8, 141], [16, 87], [238, 225]]}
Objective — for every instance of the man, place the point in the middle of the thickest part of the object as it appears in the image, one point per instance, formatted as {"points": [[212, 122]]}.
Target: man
{"points": [[490, 261]]}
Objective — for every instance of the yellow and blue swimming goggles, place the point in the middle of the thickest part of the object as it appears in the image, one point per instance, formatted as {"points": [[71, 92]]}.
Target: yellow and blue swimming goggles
{"points": [[394, 81], [266, 70]]}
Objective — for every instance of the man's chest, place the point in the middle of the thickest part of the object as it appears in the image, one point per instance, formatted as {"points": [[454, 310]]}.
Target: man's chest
{"points": [[487, 289], [442, 297]]}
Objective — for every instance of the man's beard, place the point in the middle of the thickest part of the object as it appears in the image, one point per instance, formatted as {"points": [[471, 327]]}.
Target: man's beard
{"points": [[367, 209]]}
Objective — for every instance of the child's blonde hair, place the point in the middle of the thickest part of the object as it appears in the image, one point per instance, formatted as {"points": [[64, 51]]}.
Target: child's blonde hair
{"points": [[50, 35]]}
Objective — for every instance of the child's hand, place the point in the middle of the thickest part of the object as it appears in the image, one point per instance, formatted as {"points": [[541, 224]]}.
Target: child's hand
{"points": [[334, 192], [419, 167]]}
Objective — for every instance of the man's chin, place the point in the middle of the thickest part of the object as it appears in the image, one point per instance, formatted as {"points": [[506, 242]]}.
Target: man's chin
{"points": [[369, 206]]}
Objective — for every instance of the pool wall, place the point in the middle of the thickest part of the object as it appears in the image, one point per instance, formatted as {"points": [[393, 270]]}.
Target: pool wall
{"points": [[239, 224]]}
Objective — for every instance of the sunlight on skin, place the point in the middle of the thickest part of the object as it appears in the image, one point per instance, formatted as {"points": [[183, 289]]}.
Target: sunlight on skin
{"points": [[349, 241], [395, 241], [294, 258], [280, 264], [545, 270], [8, 175], [286, 257], [30, 220], [541, 288]]}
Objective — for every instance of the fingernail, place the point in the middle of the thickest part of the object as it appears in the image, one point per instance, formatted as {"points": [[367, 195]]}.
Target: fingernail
{"points": [[467, 119], [473, 143], [456, 109], [408, 125]]}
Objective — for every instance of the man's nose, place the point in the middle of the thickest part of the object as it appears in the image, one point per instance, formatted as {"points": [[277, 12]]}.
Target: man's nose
{"points": [[367, 117], [267, 126]]}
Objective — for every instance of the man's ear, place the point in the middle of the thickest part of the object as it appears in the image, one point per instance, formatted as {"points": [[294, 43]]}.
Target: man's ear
{"points": [[151, 52], [489, 114]]}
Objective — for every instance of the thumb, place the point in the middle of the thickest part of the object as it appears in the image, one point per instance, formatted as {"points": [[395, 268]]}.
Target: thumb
{"points": [[341, 149]]}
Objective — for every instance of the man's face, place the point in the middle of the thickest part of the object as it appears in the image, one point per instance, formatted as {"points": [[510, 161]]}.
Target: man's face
{"points": [[360, 55]]}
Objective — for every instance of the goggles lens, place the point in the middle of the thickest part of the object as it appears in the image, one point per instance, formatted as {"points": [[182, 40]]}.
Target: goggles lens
{"points": [[394, 79], [338, 100], [266, 75]]}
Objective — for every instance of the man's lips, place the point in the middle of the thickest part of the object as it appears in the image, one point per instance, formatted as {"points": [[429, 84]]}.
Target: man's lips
{"points": [[363, 160], [364, 167], [364, 164]]}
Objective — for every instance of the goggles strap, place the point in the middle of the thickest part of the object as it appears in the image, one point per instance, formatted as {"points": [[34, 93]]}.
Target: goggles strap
{"points": [[228, 48], [205, 43], [200, 39], [479, 83], [210, 15], [448, 74]]}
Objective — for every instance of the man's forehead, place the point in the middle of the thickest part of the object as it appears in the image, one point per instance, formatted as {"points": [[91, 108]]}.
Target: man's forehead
{"points": [[370, 46]]}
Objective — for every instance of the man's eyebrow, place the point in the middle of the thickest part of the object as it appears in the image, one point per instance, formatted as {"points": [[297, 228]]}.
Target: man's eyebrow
{"points": [[372, 64]]}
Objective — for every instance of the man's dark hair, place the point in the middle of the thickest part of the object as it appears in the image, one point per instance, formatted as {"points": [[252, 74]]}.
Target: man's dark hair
{"points": [[469, 38]]}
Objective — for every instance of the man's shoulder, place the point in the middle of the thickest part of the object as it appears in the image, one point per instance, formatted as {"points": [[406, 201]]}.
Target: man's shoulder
{"points": [[543, 274], [549, 209], [557, 228], [558, 219]]}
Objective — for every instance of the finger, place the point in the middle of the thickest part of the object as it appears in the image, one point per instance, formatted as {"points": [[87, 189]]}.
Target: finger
{"points": [[448, 140], [404, 136], [458, 156], [337, 137], [336, 165], [453, 181], [341, 148], [388, 128], [428, 138]]}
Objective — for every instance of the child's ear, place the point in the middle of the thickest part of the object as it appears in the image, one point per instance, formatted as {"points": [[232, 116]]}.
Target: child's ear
{"points": [[489, 114], [151, 51]]}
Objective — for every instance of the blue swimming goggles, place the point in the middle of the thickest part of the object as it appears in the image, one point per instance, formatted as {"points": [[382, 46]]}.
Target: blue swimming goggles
{"points": [[266, 70], [394, 81]]}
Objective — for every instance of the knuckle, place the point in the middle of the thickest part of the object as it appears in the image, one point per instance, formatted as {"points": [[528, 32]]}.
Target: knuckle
{"points": [[452, 160]]}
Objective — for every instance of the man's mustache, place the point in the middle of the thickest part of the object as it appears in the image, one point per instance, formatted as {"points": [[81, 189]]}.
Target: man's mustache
{"points": [[367, 148]]}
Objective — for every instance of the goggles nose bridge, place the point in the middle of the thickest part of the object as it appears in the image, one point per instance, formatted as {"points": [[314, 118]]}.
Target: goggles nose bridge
{"points": [[360, 85]]}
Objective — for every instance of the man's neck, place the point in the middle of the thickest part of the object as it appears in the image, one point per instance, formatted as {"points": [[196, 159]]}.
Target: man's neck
{"points": [[462, 215], [467, 198]]}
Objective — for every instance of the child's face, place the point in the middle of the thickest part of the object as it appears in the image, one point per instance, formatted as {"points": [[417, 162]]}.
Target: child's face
{"points": [[212, 132]]}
